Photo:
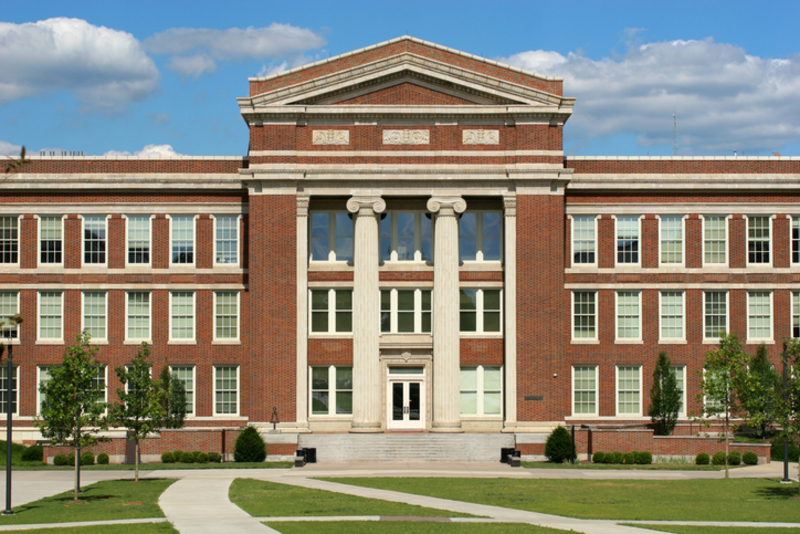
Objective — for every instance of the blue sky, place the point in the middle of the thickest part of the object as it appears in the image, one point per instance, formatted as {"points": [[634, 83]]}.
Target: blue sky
{"points": [[162, 77]]}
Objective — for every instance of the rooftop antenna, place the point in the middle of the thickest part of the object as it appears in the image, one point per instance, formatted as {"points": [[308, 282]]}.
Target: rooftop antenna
{"points": [[674, 134]]}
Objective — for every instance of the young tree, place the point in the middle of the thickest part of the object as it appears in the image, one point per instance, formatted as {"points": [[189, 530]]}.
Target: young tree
{"points": [[13, 165], [787, 402], [665, 397], [722, 370], [172, 397], [138, 409], [72, 410], [756, 389]]}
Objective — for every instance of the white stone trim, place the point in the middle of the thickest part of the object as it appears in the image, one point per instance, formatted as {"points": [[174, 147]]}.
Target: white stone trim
{"points": [[480, 137], [302, 295], [406, 137], [404, 153], [330, 137], [722, 208]]}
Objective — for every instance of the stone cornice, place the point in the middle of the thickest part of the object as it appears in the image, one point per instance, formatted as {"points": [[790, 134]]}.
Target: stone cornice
{"points": [[656, 183], [306, 172]]}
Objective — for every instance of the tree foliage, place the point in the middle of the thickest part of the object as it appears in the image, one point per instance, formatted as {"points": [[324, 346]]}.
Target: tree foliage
{"points": [[250, 446], [558, 447], [787, 402], [13, 165], [72, 410], [665, 397], [172, 398], [757, 390]]}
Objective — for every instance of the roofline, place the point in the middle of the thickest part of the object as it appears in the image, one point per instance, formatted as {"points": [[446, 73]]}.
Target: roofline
{"points": [[682, 158], [415, 40]]}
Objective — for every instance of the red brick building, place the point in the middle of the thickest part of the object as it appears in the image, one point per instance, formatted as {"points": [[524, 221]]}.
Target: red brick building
{"points": [[404, 247]]}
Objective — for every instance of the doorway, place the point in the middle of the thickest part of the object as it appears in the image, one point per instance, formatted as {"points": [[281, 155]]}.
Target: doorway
{"points": [[406, 398]]}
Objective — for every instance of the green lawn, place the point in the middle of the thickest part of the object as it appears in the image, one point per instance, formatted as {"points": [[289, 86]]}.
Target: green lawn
{"points": [[406, 527], [269, 499], [689, 500], [682, 529], [136, 528], [110, 499], [624, 467], [38, 466]]}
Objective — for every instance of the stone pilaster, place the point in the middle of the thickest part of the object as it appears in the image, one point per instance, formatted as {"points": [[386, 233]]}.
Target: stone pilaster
{"points": [[302, 311], [510, 309], [446, 338], [366, 314]]}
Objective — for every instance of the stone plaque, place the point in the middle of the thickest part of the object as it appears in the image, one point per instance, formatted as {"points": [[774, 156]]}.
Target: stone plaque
{"points": [[331, 137], [406, 137], [481, 137]]}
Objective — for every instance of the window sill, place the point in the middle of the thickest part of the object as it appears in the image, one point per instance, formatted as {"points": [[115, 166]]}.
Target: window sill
{"points": [[182, 342], [137, 341], [49, 341], [628, 342], [330, 266], [13, 341], [330, 335], [585, 341], [337, 417], [481, 335], [672, 342], [226, 342], [229, 417], [476, 417], [759, 342], [480, 266], [98, 342]]}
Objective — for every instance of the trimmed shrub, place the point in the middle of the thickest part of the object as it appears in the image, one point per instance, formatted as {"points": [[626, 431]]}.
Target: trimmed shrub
{"points": [[214, 457], [102, 458], [608, 458], [702, 459], [750, 458], [177, 455], [629, 458], [250, 446], [87, 458], [558, 447], [718, 458], [200, 457], [598, 457], [34, 453], [61, 459], [734, 458], [167, 458], [187, 458], [71, 458], [644, 457], [616, 457], [776, 452]]}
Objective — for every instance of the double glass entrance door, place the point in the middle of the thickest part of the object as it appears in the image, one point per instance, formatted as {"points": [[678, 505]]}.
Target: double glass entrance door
{"points": [[405, 404]]}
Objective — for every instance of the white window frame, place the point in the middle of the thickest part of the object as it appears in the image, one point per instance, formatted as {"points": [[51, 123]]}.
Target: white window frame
{"points": [[595, 390], [795, 314], [234, 339], [134, 340], [104, 374], [661, 240], [95, 340], [705, 240], [418, 312], [573, 240], [481, 391], [15, 226], [104, 240], [618, 390], [680, 370], [48, 340], [191, 394], [638, 241], [39, 370], [14, 391], [332, 390], [14, 340], [237, 240], [182, 340], [587, 339], [771, 249], [794, 224], [617, 337], [128, 240], [767, 340], [238, 391], [332, 311], [714, 340], [39, 225], [479, 237], [661, 337], [481, 311], [332, 235], [172, 240], [394, 237]]}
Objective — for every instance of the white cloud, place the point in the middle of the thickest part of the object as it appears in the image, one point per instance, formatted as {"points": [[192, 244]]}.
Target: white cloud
{"points": [[106, 69], [7, 149], [725, 99], [149, 151], [195, 51]]}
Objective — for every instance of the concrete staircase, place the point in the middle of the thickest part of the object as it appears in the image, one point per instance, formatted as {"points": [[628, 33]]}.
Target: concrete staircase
{"points": [[407, 447]]}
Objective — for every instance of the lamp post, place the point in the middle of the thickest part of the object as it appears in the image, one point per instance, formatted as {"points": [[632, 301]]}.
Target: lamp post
{"points": [[785, 439], [13, 322]]}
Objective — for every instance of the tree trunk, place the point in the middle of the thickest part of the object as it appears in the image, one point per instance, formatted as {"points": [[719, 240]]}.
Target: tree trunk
{"points": [[136, 477], [725, 434], [77, 466]]}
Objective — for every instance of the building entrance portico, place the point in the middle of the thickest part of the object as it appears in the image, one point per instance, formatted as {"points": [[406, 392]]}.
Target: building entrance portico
{"points": [[405, 398]]}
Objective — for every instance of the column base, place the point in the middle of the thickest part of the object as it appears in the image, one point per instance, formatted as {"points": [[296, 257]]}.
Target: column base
{"points": [[365, 428], [451, 427]]}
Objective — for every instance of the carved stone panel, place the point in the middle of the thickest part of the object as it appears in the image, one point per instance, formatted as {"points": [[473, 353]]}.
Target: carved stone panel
{"points": [[481, 137], [406, 137], [331, 137]]}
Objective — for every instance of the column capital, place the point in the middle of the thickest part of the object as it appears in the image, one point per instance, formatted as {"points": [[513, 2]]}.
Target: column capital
{"points": [[446, 205], [374, 204], [302, 205], [510, 204]]}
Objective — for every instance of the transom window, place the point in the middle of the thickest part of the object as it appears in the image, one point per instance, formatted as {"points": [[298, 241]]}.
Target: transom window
{"points": [[758, 239], [481, 310], [715, 314], [9, 240], [181, 315], [759, 315], [4, 389], [672, 315], [481, 390], [628, 315], [226, 244], [183, 239], [479, 236], [226, 315], [331, 236], [584, 390], [226, 390], [406, 236], [94, 239], [94, 314], [137, 317], [138, 239], [50, 240], [331, 310], [406, 311], [51, 318], [671, 239], [583, 239], [627, 239], [629, 390], [715, 240], [185, 374], [9, 307], [584, 315], [332, 390]]}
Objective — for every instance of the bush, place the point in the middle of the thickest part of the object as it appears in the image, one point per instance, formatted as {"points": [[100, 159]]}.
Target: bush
{"points": [[616, 457], [718, 458], [558, 447], [200, 457], [187, 458], [177, 455], [644, 457], [167, 458], [777, 450], [87, 458], [702, 459], [61, 459], [250, 446], [34, 453], [734, 458], [214, 457], [102, 458], [598, 457], [629, 458], [71, 458], [608, 458], [750, 458]]}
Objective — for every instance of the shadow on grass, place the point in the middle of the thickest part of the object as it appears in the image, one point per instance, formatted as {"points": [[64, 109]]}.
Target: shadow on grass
{"points": [[782, 492]]}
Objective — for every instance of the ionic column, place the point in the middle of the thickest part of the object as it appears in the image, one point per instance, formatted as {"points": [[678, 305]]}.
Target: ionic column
{"points": [[510, 310], [366, 314], [446, 320], [301, 414]]}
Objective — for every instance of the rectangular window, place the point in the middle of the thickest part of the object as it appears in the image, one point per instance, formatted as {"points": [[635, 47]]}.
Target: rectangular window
{"points": [[480, 311], [226, 390], [795, 239], [182, 242], [94, 314], [9, 307], [4, 389], [94, 240], [99, 382], [479, 236], [715, 240], [584, 315], [406, 311], [481, 390], [628, 239], [9, 240], [50, 240], [226, 244], [406, 236], [796, 314], [51, 315], [331, 236], [680, 379], [181, 315], [44, 377], [672, 315], [759, 316], [671, 239], [332, 310], [628, 315], [332, 390], [137, 316], [138, 240], [629, 390], [715, 314], [584, 390], [185, 374], [226, 315], [583, 239], [758, 240]]}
